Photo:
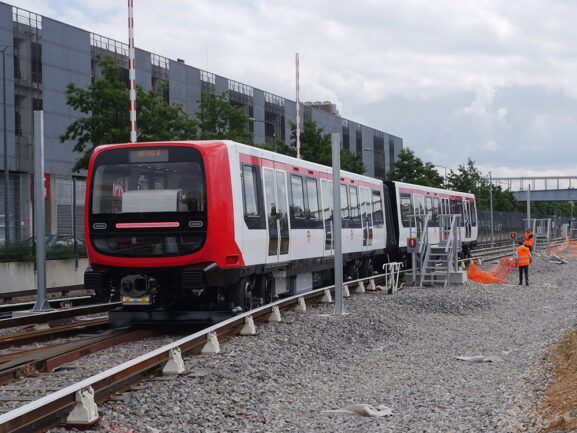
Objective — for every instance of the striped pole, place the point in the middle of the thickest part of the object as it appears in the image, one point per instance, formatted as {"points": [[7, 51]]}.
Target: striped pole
{"points": [[131, 72], [298, 133]]}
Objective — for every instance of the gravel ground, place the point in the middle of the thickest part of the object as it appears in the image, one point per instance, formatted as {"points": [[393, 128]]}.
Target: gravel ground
{"points": [[394, 350]]}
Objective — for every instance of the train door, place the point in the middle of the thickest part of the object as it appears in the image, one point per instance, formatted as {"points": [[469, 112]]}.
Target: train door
{"points": [[275, 192], [467, 218], [327, 214], [366, 217]]}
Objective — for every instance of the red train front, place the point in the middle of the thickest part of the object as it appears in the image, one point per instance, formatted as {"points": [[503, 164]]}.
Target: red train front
{"points": [[147, 227]]}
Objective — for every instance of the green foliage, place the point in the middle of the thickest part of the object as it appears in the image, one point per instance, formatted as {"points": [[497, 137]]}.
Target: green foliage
{"points": [[159, 121], [23, 251], [411, 169], [106, 106], [219, 120], [316, 147]]}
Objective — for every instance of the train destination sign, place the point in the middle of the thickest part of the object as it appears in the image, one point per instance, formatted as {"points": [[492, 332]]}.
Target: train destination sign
{"points": [[148, 155]]}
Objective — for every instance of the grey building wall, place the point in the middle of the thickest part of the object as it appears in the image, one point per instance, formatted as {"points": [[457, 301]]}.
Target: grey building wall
{"points": [[143, 69], [65, 59], [6, 40]]}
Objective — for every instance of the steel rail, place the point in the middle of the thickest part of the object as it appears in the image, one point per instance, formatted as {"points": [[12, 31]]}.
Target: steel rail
{"points": [[43, 317], [55, 332], [48, 410]]}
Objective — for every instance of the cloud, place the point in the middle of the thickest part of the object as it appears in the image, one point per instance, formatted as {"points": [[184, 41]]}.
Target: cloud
{"points": [[489, 80]]}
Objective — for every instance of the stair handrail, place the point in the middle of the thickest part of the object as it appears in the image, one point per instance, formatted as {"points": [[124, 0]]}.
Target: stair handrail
{"points": [[424, 250], [453, 241]]}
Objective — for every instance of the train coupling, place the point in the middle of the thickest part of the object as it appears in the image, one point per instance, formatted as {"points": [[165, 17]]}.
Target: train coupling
{"points": [[138, 290]]}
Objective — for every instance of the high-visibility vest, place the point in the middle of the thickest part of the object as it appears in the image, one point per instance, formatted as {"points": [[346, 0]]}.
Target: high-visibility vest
{"points": [[528, 239], [524, 254]]}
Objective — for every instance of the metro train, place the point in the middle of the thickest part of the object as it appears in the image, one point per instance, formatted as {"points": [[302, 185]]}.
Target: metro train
{"points": [[199, 231]]}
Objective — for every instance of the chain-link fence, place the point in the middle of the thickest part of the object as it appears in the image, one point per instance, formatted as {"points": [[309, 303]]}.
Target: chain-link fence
{"points": [[506, 222]]}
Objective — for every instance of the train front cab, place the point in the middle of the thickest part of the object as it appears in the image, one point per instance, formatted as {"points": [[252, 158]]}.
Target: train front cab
{"points": [[148, 219]]}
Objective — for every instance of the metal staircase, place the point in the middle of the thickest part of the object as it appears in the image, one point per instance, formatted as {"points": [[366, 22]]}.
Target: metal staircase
{"points": [[442, 259]]}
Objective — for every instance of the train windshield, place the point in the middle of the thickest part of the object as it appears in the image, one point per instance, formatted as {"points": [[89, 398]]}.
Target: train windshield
{"points": [[148, 201], [155, 186]]}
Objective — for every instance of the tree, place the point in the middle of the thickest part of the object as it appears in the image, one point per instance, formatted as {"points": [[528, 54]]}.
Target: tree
{"points": [[218, 119], [411, 169], [316, 147], [106, 104]]}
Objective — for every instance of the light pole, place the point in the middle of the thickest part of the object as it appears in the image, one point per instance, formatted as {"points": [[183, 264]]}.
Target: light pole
{"points": [[4, 135]]}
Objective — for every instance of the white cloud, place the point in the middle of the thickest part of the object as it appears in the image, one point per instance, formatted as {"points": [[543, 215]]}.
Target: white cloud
{"points": [[451, 78]]}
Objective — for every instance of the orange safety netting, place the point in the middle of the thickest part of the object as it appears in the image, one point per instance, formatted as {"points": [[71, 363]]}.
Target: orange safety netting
{"points": [[567, 248], [497, 274]]}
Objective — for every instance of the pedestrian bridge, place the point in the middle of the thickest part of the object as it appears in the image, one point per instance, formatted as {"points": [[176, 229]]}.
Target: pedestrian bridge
{"points": [[559, 188]]}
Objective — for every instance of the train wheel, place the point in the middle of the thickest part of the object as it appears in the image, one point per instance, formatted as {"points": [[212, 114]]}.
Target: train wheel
{"points": [[366, 268], [240, 294]]}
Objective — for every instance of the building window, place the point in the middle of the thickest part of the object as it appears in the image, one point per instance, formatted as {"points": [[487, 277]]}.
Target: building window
{"points": [[160, 76], [346, 138]]}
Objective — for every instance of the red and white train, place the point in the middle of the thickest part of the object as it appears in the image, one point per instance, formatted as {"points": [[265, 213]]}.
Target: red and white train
{"points": [[197, 231]]}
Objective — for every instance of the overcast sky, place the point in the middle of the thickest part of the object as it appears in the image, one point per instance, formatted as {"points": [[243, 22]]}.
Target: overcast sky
{"points": [[492, 80]]}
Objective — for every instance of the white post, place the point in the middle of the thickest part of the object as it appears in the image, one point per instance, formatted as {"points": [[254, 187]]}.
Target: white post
{"points": [[131, 72], [337, 223], [298, 119], [491, 206], [39, 213]]}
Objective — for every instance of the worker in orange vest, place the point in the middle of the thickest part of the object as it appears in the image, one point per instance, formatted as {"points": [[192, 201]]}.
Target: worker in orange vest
{"points": [[529, 239], [523, 260]]}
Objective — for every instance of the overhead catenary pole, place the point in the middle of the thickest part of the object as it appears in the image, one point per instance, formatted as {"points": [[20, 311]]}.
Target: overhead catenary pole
{"points": [[491, 207], [131, 72], [337, 223], [6, 167], [528, 206], [298, 119], [39, 213]]}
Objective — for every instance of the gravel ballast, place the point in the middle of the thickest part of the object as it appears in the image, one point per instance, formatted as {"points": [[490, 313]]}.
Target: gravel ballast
{"points": [[395, 350]]}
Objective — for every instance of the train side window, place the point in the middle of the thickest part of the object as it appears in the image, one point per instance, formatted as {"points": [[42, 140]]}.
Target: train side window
{"points": [[313, 199], [355, 213], [419, 204], [297, 202], [344, 203], [378, 219], [250, 192], [405, 209], [429, 206], [435, 208], [473, 213]]}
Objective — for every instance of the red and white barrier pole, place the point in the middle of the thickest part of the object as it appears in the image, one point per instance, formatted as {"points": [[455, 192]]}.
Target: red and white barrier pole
{"points": [[131, 72]]}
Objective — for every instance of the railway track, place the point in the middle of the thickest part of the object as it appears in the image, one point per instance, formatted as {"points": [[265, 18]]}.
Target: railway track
{"points": [[51, 409]]}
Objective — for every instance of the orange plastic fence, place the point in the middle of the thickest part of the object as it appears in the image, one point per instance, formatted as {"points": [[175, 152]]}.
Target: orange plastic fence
{"points": [[497, 274], [567, 248]]}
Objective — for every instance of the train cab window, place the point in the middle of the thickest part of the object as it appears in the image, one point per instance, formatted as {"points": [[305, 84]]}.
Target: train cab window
{"points": [[312, 199], [457, 208], [406, 209], [298, 201], [249, 188], [344, 205], [355, 213], [377, 204]]}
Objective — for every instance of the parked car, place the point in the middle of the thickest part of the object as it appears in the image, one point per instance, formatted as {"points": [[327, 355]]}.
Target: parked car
{"points": [[53, 241]]}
